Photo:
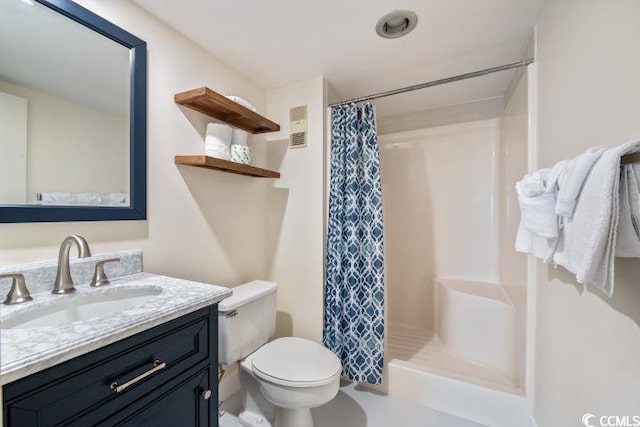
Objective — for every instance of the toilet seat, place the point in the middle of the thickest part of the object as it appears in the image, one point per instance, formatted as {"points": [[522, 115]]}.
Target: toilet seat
{"points": [[295, 362]]}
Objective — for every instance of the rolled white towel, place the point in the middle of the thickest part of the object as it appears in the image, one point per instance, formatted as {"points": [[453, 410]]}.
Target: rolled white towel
{"points": [[213, 151], [239, 137], [219, 134], [213, 145], [241, 154], [242, 102]]}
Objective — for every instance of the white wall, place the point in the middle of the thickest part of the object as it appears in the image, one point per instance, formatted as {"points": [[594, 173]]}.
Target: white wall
{"points": [[202, 225], [73, 147], [296, 211], [439, 195], [469, 111], [588, 346]]}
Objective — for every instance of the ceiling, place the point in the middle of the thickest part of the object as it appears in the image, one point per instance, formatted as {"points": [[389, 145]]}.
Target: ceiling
{"points": [[280, 42]]}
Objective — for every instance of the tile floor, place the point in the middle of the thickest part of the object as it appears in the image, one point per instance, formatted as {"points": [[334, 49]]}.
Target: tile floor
{"points": [[358, 407]]}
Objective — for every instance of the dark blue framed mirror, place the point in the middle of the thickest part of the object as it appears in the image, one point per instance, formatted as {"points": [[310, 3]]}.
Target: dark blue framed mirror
{"points": [[73, 115]]}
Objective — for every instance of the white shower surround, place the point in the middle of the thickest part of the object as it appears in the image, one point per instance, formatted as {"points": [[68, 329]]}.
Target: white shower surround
{"points": [[476, 321], [466, 355]]}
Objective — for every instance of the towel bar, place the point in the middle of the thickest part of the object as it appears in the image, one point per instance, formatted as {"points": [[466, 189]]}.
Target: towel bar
{"points": [[631, 158]]}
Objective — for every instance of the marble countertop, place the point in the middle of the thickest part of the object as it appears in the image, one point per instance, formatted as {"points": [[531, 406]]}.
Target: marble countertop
{"points": [[27, 351]]}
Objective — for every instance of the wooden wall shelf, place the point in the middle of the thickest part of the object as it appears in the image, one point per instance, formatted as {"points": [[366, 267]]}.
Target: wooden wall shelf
{"points": [[225, 166], [218, 106]]}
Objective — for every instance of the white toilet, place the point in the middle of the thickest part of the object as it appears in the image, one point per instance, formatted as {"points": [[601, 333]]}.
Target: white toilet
{"points": [[282, 379]]}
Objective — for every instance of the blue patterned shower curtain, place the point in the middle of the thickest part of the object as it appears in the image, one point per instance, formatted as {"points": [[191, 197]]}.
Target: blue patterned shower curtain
{"points": [[354, 279]]}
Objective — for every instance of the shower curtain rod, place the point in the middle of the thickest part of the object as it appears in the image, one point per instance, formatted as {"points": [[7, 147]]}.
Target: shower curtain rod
{"points": [[437, 82]]}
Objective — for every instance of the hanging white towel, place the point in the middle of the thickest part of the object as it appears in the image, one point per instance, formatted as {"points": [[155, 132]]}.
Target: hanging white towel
{"points": [[572, 179], [628, 243], [545, 193], [537, 196], [588, 240]]}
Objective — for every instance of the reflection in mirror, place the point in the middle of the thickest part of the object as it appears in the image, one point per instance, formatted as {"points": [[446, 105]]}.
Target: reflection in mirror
{"points": [[64, 111]]}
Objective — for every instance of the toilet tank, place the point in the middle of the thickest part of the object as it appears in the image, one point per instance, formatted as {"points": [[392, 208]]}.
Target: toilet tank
{"points": [[246, 320]]}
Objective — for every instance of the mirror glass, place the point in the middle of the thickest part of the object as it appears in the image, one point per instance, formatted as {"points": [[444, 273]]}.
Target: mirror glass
{"points": [[72, 115], [64, 111]]}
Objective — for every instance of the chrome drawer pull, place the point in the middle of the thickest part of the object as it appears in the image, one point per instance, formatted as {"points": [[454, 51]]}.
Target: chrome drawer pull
{"points": [[157, 366]]}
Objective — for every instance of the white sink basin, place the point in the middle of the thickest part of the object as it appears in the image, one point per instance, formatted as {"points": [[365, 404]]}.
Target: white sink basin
{"points": [[79, 307]]}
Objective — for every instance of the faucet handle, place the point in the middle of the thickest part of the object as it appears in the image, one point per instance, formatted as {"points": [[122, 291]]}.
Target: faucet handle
{"points": [[99, 276], [19, 292]]}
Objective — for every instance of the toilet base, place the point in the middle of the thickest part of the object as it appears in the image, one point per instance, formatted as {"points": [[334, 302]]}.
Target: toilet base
{"points": [[250, 419], [256, 410], [300, 417]]}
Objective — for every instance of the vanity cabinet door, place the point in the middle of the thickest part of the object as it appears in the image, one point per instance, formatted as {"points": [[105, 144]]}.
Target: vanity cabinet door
{"points": [[79, 392], [181, 403]]}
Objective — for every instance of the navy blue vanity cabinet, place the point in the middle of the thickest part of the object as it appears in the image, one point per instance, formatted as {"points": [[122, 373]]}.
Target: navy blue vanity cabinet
{"points": [[166, 376]]}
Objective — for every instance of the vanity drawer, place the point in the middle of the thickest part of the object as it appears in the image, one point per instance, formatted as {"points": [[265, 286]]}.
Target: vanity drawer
{"points": [[83, 390]]}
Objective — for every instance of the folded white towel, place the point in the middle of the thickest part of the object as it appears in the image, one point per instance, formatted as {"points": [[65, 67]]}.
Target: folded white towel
{"points": [[628, 243], [587, 244], [573, 177], [242, 102]]}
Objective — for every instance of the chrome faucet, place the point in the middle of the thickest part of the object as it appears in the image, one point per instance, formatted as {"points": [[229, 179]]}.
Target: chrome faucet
{"points": [[64, 282], [19, 292]]}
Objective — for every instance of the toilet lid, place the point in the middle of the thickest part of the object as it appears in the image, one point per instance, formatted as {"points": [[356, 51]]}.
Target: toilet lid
{"points": [[295, 362]]}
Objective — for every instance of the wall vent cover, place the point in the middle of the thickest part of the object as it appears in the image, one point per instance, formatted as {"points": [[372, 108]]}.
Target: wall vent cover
{"points": [[298, 127]]}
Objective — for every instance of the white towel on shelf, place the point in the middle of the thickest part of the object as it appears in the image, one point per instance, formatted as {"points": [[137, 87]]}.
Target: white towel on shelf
{"points": [[242, 102], [572, 179], [218, 135], [239, 137], [628, 243], [588, 240], [217, 152], [218, 141]]}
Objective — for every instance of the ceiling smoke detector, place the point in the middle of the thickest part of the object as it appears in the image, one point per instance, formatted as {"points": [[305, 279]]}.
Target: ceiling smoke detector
{"points": [[396, 24]]}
